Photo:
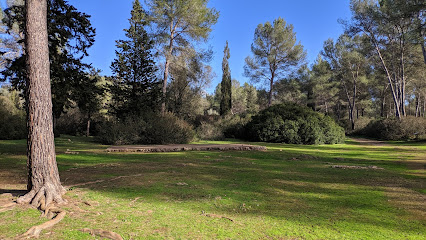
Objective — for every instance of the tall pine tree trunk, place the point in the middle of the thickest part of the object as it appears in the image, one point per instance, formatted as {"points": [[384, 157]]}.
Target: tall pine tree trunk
{"points": [[43, 177]]}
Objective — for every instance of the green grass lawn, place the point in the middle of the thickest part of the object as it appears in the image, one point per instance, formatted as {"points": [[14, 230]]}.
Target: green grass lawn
{"points": [[286, 192]]}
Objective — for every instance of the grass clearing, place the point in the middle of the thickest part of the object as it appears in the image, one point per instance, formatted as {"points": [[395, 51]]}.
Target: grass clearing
{"points": [[287, 192]]}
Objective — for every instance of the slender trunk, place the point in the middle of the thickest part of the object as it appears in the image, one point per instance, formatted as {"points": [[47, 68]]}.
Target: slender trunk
{"points": [[166, 69], [382, 109], [351, 118], [424, 52], [424, 106], [270, 90], [403, 113], [395, 98], [44, 184], [88, 125], [417, 106]]}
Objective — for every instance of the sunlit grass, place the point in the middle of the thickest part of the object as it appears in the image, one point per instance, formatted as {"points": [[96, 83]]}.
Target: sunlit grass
{"points": [[286, 192]]}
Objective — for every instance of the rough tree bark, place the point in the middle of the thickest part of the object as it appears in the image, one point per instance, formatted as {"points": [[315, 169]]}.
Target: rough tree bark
{"points": [[44, 185]]}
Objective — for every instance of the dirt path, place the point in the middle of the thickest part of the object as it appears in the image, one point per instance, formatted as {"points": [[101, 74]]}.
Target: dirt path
{"points": [[369, 142], [185, 147]]}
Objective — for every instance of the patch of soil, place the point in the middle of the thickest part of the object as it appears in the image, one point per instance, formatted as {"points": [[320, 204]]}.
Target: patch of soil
{"points": [[369, 142]]}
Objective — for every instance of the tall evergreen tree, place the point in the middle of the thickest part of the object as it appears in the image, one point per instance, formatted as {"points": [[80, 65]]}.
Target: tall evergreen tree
{"points": [[135, 87], [226, 84], [70, 35]]}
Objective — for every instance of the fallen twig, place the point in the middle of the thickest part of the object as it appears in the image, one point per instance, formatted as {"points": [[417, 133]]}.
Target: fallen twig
{"points": [[212, 215], [102, 233]]}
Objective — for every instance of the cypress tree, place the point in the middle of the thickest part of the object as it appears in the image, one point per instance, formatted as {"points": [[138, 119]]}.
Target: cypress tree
{"points": [[226, 84]]}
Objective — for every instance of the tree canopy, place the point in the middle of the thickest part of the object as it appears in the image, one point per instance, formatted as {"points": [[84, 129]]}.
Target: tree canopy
{"points": [[275, 50]]}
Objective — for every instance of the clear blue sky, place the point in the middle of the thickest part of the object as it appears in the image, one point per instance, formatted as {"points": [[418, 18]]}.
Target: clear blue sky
{"points": [[314, 21]]}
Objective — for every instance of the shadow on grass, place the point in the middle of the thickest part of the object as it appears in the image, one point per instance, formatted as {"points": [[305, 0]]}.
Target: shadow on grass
{"points": [[288, 182]]}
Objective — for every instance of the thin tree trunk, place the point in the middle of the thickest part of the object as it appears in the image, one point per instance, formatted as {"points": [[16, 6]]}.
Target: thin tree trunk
{"points": [[270, 90], [395, 98], [424, 106], [44, 184], [166, 68], [382, 109], [88, 126], [424, 52], [402, 82]]}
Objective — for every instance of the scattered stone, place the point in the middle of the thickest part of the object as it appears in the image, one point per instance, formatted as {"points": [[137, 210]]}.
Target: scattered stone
{"points": [[357, 167], [182, 184], [71, 152], [186, 147]]}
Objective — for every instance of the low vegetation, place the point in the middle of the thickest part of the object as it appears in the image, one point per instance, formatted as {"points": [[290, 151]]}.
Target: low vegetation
{"points": [[291, 123], [286, 192], [393, 129], [148, 129]]}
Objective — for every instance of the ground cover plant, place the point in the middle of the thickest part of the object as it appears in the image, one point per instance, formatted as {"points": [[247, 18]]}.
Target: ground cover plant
{"points": [[286, 192]]}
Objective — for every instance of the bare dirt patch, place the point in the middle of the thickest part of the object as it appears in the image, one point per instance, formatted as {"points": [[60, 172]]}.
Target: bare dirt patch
{"points": [[185, 147], [369, 142]]}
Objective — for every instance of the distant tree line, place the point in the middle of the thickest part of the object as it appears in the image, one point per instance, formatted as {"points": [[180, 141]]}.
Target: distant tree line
{"points": [[374, 70]]}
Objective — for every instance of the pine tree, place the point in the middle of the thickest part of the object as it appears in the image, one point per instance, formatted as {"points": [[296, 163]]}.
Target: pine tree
{"points": [[70, 35], [44, 185], [275, 52], [177, 23], [135, 87], [226, 84]]}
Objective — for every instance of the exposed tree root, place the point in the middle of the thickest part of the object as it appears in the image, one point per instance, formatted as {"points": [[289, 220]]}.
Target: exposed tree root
{"points": [[104, 180], [44, 199], [102, 233], [6, 202], [34, 232], [7, 207]]}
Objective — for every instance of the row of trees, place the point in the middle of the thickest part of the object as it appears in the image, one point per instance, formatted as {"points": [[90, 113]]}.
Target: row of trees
{"points": [[375, 69], [136, 86]]}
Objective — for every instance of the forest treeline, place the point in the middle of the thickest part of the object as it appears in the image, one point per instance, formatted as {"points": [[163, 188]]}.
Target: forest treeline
{"points": [[370, 80]]}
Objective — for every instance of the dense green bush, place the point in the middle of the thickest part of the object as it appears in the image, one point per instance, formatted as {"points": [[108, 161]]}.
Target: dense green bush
{"points": [[147, 129], [393, 129], [210, 131], [12, 121], [233, 126], [290, 123]]}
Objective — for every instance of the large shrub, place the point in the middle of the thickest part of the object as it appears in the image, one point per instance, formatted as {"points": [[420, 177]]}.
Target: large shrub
{"points": [[147, 129], [393, 129], [290, 123], [210, 131]]}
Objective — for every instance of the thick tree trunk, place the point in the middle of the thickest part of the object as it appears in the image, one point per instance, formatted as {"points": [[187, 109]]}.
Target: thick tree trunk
{"points": [[43, 178]]}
